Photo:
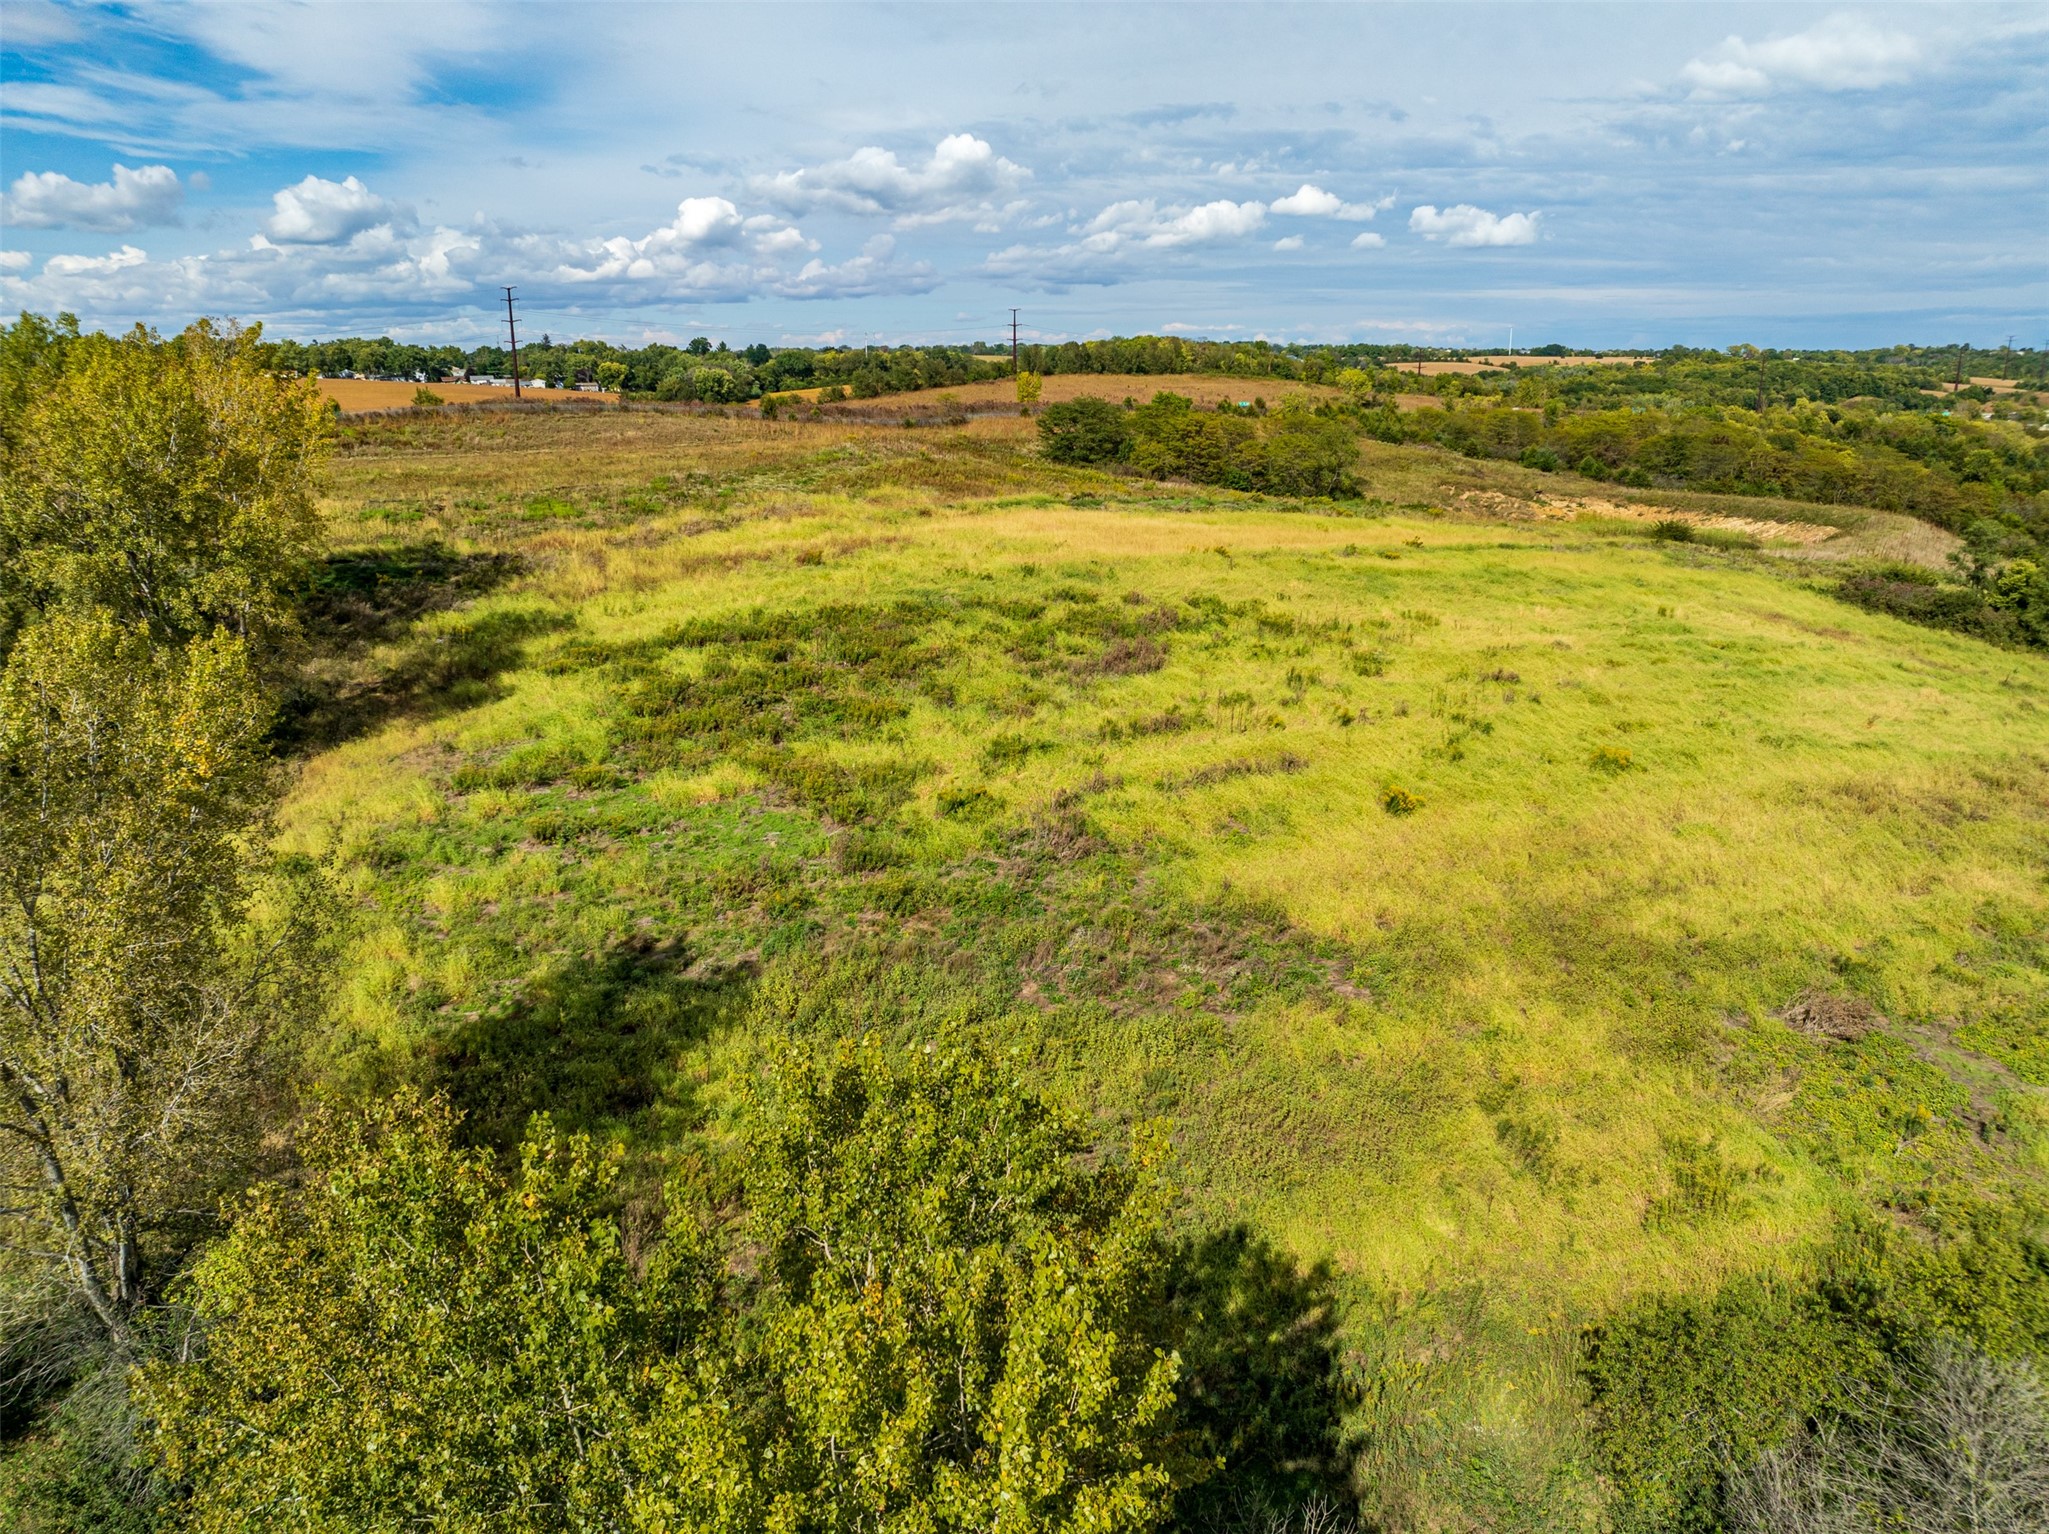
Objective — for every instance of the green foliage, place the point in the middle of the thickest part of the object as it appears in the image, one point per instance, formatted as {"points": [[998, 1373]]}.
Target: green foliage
{"points": [[420, 1338], [168, 482], [1397, 800], [963, 1317], [1686, 1392], [426, 398], [1683, 1390], [1029, 387], [952, 1326], [1295, 451], [133, 1012], [1084, 430], [2007, 605]]}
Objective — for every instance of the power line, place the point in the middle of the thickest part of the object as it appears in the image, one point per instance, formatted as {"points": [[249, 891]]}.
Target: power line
{"points": [[512, 329]]}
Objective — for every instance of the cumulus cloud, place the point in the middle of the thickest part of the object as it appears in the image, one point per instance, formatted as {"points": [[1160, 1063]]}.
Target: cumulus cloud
{"points": [[1140, 221], [13, 260], [133, 199], [79, 266], [1312, 201], [321, 254], [1368, 241], [708, 247], [1292, 242], [1103, 249], [871, 273], [1841, 53], [319, 212], [1466, 225], [964, 179]]}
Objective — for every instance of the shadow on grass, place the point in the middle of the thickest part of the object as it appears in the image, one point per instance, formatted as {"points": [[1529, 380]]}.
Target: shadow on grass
{"points": [[357, 601], [1262, 1379], [592, 1043]]}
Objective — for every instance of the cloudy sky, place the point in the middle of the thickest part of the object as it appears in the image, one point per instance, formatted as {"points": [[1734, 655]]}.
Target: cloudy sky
{"points": [[1604, 175]]}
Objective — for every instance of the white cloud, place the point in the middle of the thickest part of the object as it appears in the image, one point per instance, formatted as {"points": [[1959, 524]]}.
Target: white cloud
{"points": [[1292, 242], [134, 199], [1140, 221], [1104, 249], [1466, 225], [706, 247], [1842, 53], [83, 266], [1311, 201], [964, 179], [317, 212], [1368, 241], [13, 260], [866, 275]]}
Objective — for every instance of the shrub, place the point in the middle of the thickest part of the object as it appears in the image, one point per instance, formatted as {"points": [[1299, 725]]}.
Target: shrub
{"points": [[1591, 467], [1084, 430], [424, 396], [1684, 1390], [1612, 760], [1397, 800], [1541, 458], [1029, 386], [413, 1335], [1672, 530]]}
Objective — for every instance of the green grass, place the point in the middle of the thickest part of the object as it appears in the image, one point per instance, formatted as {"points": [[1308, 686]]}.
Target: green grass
{"points": [[840, 730]]}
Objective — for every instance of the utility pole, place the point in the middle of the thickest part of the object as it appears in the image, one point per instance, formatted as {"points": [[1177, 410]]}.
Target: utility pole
{"points": [[1957, 387], [2006, 362], [1013, 343], [512, 329]]}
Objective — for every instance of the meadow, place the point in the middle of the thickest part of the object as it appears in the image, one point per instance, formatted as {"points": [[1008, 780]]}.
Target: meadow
{"points": [[1511, 914]]}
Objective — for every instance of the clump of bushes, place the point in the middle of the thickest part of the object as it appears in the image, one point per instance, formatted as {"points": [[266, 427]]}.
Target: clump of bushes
{"points": [[424, 396], [1903, 1381], [1396, 800], [2007, 605], [1611, 760], [1294, 449]]}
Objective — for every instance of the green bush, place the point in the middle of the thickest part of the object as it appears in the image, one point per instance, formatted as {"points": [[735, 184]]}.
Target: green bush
{"points": [[1682, 1391], [951, 1314], [1541, 458], [1084, 430]]}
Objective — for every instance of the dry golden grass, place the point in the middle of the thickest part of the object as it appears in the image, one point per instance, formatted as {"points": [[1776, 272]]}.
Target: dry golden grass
{"points": [[1206, 389], [355, 395]]}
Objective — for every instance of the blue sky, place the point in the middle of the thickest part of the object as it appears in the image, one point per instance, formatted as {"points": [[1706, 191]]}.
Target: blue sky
{"points": [[1605, 175]]}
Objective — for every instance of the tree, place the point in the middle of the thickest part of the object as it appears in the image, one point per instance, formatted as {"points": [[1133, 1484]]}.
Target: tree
{"points": [[962, 1314], [612, 376], [421, 1340], [945, 1322], [169, 483], [134, 1009], [1029, 386], [1084, 430]]}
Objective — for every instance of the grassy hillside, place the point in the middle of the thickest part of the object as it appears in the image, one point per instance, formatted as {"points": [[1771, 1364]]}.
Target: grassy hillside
{"points": [[1446, 873]]}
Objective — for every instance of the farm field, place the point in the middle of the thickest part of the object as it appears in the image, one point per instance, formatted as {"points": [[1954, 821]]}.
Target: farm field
{"points": [[1459, 873], [358, 394], [1205, 389]]}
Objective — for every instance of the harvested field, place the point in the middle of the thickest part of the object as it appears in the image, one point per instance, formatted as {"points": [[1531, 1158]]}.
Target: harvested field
{"points": [[355, 395], [1206, 389]]}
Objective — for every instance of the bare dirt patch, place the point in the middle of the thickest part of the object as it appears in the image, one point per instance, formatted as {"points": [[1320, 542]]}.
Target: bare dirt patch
{"points": [[1565, 507]]}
